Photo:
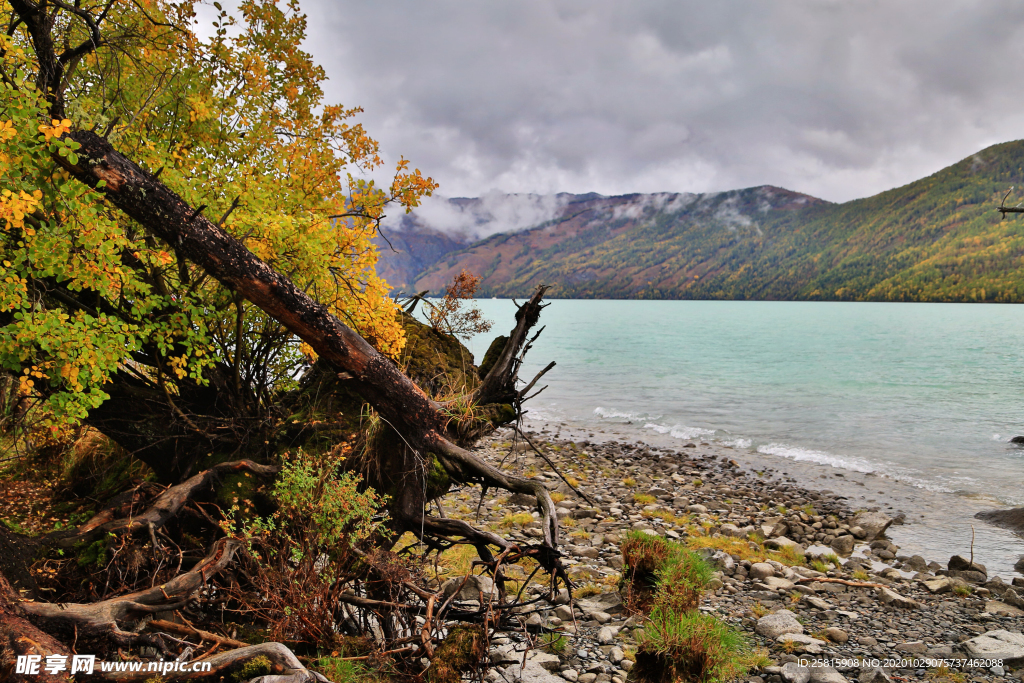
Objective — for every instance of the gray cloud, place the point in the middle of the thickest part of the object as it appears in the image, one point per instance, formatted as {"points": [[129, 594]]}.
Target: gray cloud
{"points": [[836, 98]]}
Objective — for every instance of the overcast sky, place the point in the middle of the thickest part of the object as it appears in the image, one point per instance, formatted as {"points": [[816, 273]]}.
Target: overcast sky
{"points": [[838, 99]]}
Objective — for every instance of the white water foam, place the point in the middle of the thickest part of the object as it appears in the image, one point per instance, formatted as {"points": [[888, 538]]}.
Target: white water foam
{"points": [[679, 431], [612, 414], [820, 457], [853, 464]]}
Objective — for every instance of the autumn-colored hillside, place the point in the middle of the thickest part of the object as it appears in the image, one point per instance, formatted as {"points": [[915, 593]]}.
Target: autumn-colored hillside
{"points": [[940, 238]]}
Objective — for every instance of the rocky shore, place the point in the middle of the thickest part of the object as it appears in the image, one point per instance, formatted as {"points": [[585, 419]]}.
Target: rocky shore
{"points": [[818, 587]]}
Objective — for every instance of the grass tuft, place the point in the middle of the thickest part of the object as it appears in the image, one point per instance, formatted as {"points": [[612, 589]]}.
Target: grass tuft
{"points": [[688, 646]]}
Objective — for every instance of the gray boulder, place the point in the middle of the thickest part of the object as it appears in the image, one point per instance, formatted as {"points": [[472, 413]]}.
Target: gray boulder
{"points": [[826, 674], [843, 545], [471, 590], [874, 674], [874, 524], [547, 660], [783, 542], [894, 599], [609, 603], [1005, 645], [801, 642], [777, 624], [533, 672], [794, 673], [760, 571], [962, 564]]}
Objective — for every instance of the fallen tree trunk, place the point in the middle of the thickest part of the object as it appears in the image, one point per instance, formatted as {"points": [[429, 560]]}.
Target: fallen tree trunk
{"points": [[419, 420]]}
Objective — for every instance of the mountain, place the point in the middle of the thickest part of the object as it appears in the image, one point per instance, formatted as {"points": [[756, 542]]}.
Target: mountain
{"points": [[940, 238]]}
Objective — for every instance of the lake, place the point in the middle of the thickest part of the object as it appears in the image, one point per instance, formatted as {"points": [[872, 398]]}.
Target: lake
{"points": [[918, 400]]}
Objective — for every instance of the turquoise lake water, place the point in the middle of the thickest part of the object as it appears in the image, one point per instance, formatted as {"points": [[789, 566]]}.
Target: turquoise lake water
{"points": [[923, 397]]}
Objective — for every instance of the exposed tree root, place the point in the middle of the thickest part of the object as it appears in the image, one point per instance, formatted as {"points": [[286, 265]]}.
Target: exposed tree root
{"points": [[160, 511], [109, 618], [284, 667]]}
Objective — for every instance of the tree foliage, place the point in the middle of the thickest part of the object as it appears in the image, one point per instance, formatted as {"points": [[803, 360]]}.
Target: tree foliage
{"points": [[237, 125]]}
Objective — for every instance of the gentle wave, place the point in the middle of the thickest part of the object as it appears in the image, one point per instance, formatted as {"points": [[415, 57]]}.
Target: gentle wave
{"points": [[611, 413], [679, 431], [820, 457], [853, 464]]}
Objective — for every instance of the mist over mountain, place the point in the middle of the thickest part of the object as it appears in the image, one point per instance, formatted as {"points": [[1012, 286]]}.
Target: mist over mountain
{"points": [[936, 239]]}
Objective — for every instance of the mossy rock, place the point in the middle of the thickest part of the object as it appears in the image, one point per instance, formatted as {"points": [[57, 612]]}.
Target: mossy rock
{"points": [[438, 363], [492, 355]]}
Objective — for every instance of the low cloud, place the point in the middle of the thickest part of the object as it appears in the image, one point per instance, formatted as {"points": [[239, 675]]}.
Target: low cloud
{"points": [[487, 215]]}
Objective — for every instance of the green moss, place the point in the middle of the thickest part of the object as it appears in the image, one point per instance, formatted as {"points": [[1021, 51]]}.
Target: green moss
{"points": [[492, 355], [235, 488], [94, 553], [438, 481], [438, 363], [257, 666]]}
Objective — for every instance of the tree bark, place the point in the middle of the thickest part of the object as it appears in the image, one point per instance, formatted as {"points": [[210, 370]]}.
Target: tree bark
{"points": [[401, 404]]}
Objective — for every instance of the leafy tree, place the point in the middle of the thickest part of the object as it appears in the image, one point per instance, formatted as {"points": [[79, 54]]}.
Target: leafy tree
{"points": [[236, 125], [187, 268]]}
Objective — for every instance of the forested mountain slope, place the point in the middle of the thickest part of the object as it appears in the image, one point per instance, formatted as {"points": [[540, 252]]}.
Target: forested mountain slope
{"points": [[937, 239]]}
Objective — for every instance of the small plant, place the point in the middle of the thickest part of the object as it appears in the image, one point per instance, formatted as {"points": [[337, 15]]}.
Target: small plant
{"points": [[519, 519], [569, 523], [736, 547], [629, 481], [962, 590], [698, 483], [795, 597], [833, 558], [943, 674], [821, 566], [573, 482], [782, 509], [460, 652], [809, 510], [682, 580], [587, 590], [756, 658], [557, 497], [860, 575], [580, 534], [643, 498], [450, 316], [554, 642], [789, 556], [758, 609], [688, 646]]}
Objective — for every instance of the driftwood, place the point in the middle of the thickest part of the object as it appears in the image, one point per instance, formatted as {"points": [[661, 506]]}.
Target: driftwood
{"points": [[845, 582]]}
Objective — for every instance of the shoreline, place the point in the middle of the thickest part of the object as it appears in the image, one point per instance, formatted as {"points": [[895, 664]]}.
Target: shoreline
{"points": [[873, 601], [926, 512]]}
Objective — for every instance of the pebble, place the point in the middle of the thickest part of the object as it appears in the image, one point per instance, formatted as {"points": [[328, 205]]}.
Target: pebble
{"points": [[947, 611]]}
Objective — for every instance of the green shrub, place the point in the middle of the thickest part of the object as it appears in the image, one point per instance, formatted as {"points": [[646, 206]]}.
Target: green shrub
{"points": [[687, 646]]}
